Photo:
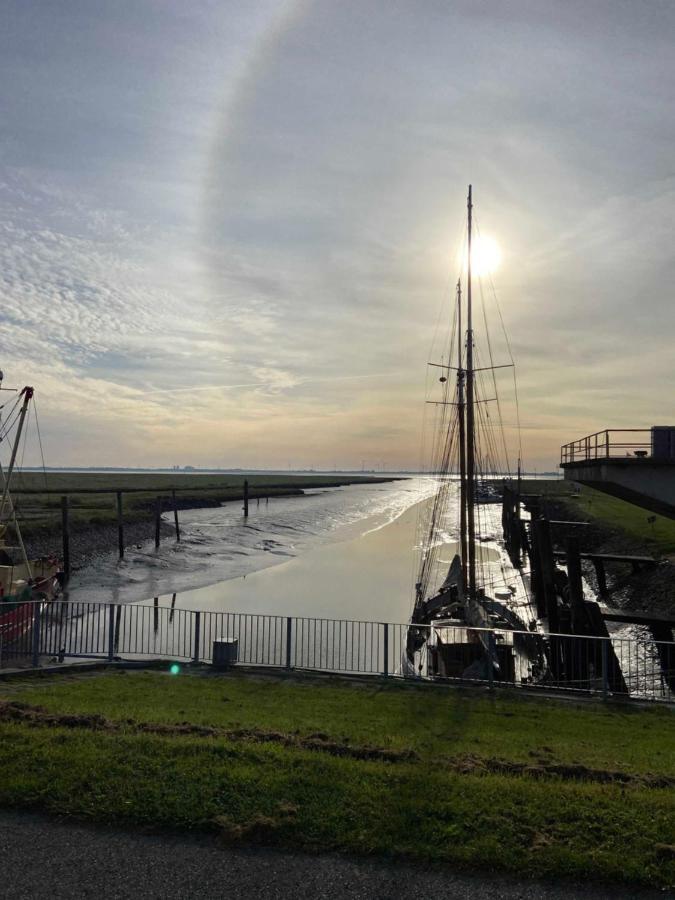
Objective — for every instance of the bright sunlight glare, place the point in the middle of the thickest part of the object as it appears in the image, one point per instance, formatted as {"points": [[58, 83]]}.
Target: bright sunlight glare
{"points": [[486, 255]]}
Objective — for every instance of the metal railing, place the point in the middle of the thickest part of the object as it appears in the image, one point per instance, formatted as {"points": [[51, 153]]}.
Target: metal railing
{"points": [[612, 443], [61, 631]]}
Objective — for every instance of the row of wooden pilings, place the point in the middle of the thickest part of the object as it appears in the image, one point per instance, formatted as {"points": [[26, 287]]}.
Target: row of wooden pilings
{"points": [[158, 509], [577, 616]]}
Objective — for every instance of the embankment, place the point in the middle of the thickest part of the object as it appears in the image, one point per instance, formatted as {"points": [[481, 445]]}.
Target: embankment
{"points": [[651, 590]]}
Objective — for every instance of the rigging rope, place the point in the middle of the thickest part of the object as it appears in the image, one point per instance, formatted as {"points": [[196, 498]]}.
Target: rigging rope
{"points": [[42, 455], [491, 448]]}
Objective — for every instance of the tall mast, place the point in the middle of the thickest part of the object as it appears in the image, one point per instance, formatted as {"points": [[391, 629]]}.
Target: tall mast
{"points": [[470, 425], [461, 408], [6, 496], [27, 396]]}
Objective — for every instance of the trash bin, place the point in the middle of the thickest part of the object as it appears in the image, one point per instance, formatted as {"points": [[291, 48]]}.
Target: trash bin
{"points": [[225, 652]]}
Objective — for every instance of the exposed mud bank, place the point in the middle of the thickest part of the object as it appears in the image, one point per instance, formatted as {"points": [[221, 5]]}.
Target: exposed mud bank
{"points": [[92, 540], [89, 541]]}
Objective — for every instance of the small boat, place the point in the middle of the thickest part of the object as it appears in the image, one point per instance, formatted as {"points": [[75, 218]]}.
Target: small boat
{"points": [[26, 585], [487, 492]]}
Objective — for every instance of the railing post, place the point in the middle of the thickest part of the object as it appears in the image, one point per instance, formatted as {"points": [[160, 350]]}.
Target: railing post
{"points": [[289, 636], [605, 668], [386, 649], [491, 653], [36, 634], [111, 632], [198, 624], [607, 443]]}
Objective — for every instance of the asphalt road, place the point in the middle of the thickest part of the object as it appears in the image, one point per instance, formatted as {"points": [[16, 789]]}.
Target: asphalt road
{"points": [[44, 857]]}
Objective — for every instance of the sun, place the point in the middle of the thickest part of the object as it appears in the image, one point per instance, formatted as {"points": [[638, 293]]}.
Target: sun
{"points": [[486, 255]]}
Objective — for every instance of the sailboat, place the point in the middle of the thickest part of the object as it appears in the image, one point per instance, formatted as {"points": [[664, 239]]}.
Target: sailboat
{"points": [[456, 598], [25, 584]]}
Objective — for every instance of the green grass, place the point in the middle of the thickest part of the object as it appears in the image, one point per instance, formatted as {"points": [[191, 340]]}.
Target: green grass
{"points": [[283, 793], [659, 536], [41, 512]]}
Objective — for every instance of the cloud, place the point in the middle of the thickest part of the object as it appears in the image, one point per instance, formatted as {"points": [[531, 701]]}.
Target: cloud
{"points": [[226, 233]]}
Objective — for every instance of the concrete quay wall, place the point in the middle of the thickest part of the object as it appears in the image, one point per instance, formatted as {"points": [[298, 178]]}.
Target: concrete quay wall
{"points": [[644, 476]]}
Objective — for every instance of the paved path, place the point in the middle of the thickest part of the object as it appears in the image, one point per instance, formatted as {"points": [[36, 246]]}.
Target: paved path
{"points": [[43, 857]]}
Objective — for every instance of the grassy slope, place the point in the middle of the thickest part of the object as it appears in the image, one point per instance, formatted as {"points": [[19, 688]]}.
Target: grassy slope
{"points": [[299, 797], [42, 511], [659, 537]]}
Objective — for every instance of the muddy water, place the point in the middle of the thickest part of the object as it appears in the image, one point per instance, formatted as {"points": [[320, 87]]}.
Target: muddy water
{"points": [[367, 576], [337, 552]]}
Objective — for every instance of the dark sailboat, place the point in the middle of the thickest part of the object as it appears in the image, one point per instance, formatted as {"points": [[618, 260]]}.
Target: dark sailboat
{"points": [[469, 460]]}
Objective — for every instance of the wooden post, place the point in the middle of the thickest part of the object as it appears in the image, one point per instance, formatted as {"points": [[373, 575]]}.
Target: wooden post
{"points": [[575, 583], [158, 520], [66, 537], [547, 570], [246, 497], [535, 570], [120, 526], [175, 515]]}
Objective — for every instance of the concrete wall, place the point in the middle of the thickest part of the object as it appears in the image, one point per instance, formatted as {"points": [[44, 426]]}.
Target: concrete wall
{"points": [[653, 479]]}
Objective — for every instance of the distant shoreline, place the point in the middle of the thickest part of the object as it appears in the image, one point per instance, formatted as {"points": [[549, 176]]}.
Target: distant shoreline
{"points": [[385, 474]]}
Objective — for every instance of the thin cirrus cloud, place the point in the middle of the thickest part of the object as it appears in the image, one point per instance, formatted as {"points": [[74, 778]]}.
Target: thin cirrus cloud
{"points": [[227, 232]]}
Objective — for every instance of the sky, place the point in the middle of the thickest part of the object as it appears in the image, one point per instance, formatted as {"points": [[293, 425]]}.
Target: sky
{"points": [[228, 230]]}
